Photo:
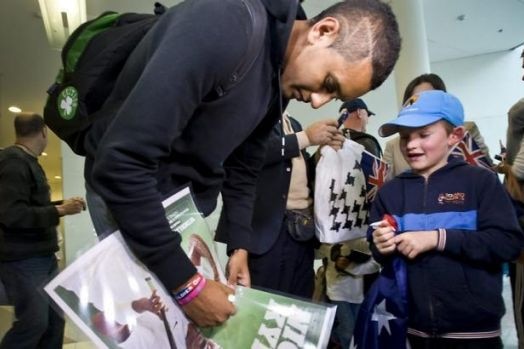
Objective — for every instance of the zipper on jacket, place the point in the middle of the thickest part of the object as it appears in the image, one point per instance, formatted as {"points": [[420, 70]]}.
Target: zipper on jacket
{"points": [[430, 295]]}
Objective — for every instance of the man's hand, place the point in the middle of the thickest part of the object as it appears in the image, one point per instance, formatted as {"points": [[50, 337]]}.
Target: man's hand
{"points": [[71, 206], [237, 270], [211, 307], [384, 238], [337, 141], [414, 243], [322, 132]]}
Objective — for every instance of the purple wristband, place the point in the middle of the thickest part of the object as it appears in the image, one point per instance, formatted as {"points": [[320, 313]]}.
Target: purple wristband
{"points": [[188, 288], [193, 293]]}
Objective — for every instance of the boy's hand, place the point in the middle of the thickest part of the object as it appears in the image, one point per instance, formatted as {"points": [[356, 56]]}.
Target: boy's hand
{"points": [[411, 244], [384, 237]]}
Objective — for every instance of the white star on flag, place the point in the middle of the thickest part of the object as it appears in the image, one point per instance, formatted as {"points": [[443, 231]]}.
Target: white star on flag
{"points": [[381, 316], [353, 345]]}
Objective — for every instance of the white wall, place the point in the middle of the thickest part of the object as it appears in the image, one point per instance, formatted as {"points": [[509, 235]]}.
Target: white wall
{"points": [[487, 85]]}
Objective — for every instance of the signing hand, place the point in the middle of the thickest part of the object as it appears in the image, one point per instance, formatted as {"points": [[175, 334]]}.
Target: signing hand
{"points": [[211, 307]]}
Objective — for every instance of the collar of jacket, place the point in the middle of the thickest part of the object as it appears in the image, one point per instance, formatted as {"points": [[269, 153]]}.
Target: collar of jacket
{"points": [[282, 15], [452, 163]]}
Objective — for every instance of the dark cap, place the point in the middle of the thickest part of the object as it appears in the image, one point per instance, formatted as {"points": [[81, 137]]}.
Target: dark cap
{"points": [[355, 104]]}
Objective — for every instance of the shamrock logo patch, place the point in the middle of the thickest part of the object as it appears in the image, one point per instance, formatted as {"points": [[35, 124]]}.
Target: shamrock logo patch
{"points": [[67, 102]]}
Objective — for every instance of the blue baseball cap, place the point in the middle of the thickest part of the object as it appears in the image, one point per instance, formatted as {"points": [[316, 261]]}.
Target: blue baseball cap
{"points": [[424, 109]]}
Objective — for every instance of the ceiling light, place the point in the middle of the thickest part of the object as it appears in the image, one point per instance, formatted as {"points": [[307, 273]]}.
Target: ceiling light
{"points": [[44, 153], [58, 177], [60, 18], [14, 109]]}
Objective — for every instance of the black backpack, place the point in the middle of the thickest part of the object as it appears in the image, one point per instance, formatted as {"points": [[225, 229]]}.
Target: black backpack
{"points": [[93, 57]]}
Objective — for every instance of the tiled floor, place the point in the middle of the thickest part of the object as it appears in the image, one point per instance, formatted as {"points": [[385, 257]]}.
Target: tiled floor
{"points": [[74, 339]]}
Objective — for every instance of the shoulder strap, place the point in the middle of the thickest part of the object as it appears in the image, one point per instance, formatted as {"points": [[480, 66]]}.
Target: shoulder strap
{"points": [[258, 15]]}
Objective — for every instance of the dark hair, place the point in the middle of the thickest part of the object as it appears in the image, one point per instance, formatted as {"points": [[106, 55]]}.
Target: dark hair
{"points": [[432, 79], [28, 124], [368, 30]]}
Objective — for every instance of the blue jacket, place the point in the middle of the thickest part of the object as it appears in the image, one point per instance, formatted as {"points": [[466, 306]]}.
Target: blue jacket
{"points": [[454, 290]]}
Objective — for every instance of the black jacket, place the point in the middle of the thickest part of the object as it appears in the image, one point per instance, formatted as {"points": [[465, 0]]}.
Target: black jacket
{"points": [[271, 195], [172, 130], [28, 220], [369, 142]]}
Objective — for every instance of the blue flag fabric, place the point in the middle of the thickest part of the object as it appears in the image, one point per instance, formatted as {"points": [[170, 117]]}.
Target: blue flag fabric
{"points": [[382, 319]]}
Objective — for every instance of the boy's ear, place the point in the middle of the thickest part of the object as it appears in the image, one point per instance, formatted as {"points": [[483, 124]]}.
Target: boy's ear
{"points": [[456, 135]]}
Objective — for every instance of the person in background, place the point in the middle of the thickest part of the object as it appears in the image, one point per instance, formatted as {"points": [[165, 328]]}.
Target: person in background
{"points": [[283, 243], [513, 168], [350, 268], [355, 125], [456, 227], [28, 237]]}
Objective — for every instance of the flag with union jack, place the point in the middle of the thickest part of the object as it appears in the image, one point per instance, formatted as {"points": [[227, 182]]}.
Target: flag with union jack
{"points": [[346, 183], [375, 171], [469, 150]]}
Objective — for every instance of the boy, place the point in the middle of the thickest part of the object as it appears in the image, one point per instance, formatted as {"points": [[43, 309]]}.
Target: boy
{"points": [[455, 228]]}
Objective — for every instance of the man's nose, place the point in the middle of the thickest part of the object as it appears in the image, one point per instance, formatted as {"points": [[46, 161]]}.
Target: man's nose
{"points": [[319, 99]]}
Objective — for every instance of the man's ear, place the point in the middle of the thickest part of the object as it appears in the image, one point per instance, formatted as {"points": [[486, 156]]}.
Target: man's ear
{"points": [[324, 32], [456, 135]]}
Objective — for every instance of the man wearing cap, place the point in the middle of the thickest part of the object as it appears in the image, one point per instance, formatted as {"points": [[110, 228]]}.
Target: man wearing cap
{"points": [[356, 115], [456, 227]]}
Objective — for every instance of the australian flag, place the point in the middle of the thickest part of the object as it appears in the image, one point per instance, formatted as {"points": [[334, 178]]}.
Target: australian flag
{"points": [[375, 171], [469, 150], [382, 319]]}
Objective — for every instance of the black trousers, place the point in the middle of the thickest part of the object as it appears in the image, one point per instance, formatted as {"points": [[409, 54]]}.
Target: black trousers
{"points": [[286, 267], [448, 343]]}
